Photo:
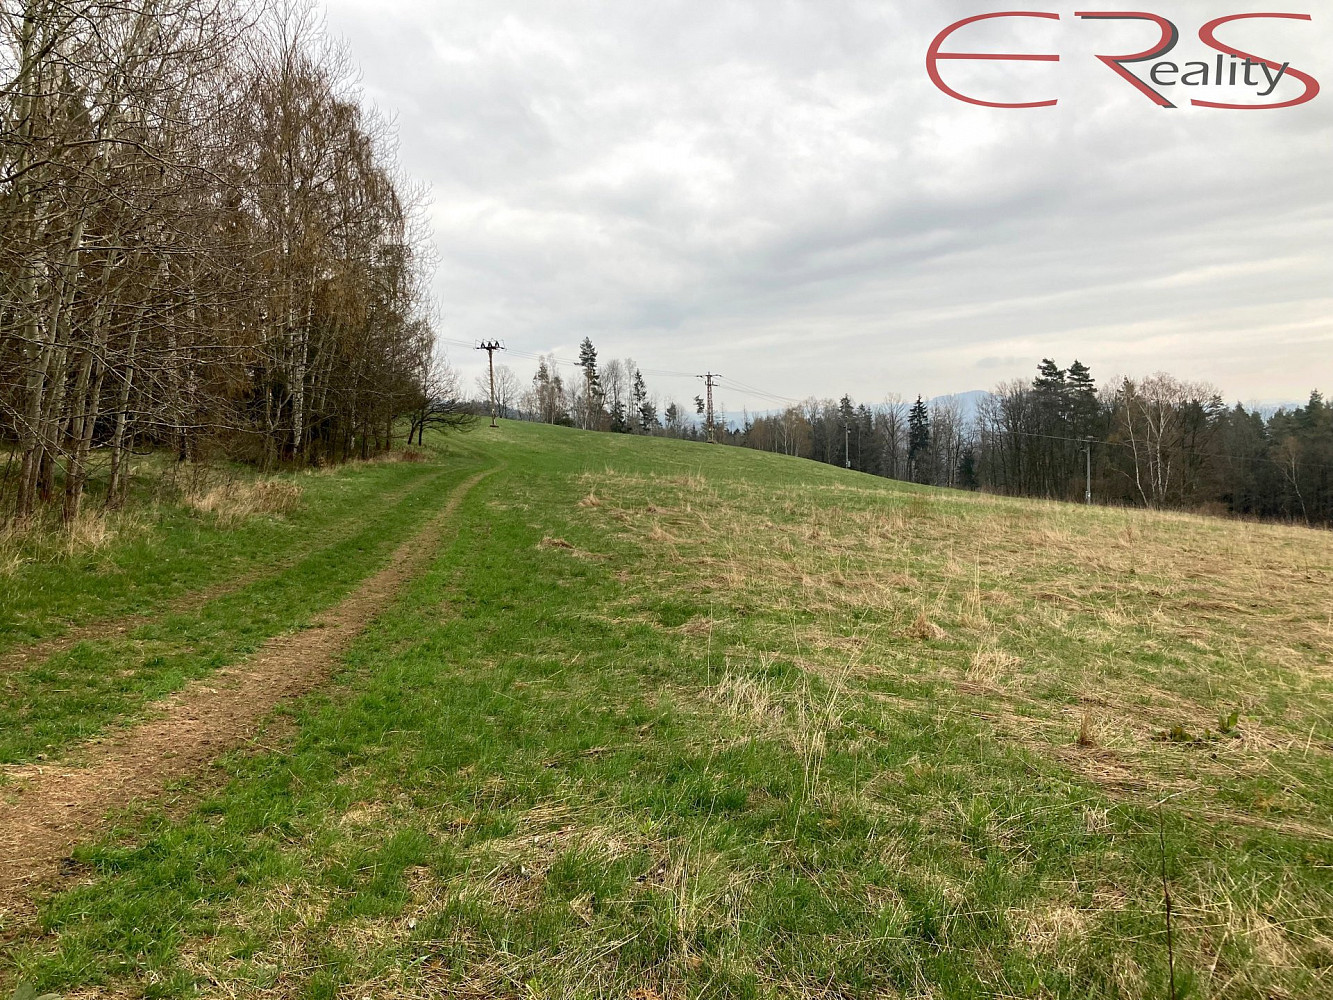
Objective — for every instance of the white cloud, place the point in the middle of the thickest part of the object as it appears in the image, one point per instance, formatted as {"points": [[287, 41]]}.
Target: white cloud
{"points": [[776, 191]]}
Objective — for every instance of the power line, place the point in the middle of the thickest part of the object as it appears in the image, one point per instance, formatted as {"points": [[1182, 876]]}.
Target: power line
{"points": [[763, 392], [779, 398], [745, 388], [569, 362]]}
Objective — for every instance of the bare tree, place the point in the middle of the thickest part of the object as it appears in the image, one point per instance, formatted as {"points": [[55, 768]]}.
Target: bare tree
{"points": [[202, 237]]}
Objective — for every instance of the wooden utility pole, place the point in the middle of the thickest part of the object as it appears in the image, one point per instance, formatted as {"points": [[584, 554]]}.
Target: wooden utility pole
{"points": [[490, 347], [709, 380]]}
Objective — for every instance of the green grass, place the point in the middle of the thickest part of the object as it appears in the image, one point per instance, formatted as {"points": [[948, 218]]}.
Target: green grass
{"points": [[345, 528], [148, 559], [670, 720]]}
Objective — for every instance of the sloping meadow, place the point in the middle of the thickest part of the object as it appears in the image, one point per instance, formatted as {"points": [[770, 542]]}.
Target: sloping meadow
{"points": [[666, 720]]}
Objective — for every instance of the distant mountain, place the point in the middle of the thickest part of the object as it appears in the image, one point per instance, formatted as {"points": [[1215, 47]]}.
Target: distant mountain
{"points": [[1267, 408], [969, 401]]}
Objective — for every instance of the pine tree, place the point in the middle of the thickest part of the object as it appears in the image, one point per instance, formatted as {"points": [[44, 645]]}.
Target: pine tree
{"points": [[541, 389], [918, 440], [1051, 390], [593, 396], [1082, 390], [643, 405], [863, 457], [1054, 465], [559, 415], [967, 469], [588, 359]]}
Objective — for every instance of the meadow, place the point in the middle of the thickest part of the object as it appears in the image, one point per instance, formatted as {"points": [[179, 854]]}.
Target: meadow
{"points": [[659, 719]]}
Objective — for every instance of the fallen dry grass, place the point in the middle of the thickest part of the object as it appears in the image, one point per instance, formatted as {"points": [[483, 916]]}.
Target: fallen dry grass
{"points": [[1118, 640], [46, 539], [237, 501]]}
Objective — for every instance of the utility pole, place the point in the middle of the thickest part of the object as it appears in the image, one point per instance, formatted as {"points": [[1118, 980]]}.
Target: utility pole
{"points": [[846, 444], [709, 381], [490, 347], [1087, 452]]}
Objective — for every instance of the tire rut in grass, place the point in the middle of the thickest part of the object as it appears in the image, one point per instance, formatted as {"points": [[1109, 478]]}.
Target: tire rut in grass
{"points": [[61, 806], [18, 658]]}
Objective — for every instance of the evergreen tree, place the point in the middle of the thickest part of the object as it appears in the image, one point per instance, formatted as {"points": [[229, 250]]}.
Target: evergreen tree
{"points": [[560, 414], [847, 414], [647, 412], [593, 396], [967, 469], [918, 440], [1050, 382], [1053, 447], [542, 391], [588, 360], [863, 436], [619, 425], [1083, 406]]}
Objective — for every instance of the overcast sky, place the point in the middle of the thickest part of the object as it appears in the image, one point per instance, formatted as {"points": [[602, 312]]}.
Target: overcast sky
{"points": [[775, 191]]}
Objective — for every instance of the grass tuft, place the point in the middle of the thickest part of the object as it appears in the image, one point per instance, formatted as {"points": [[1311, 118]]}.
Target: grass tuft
{"points": [[925, 629], [238, 501], [1086, 735]]}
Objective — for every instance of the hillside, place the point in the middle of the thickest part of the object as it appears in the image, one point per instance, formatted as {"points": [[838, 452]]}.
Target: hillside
{"points": [[645, 718]]}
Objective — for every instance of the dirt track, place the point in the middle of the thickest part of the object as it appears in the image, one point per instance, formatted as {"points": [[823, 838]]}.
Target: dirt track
{"points": [[31, 653], [62, 805]]}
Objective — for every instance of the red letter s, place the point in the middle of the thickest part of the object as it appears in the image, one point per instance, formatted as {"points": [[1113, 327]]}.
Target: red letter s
{"points": [[934, 55], [1208, 37]]}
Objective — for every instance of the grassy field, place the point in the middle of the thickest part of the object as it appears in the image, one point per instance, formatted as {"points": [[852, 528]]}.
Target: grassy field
{"points": [[666, 720], [187, 593]]}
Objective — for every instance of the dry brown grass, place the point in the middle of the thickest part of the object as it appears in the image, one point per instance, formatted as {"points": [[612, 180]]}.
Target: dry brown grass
{"points": [[238, 501], [1086, 738], [924, 629], [992, 666], [407, 454], [1145, 620], [92, 531]]}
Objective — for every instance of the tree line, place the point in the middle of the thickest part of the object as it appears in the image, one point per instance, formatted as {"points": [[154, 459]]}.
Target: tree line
{"points": [[611, 396], [1156, 442], [205, 245]]}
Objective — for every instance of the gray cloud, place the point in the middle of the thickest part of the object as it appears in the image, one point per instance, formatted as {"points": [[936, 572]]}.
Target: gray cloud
{"points": [[776, 191]]}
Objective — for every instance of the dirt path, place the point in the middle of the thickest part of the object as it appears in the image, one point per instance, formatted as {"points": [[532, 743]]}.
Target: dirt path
{"points": [[61, 805], [19, 657]]}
